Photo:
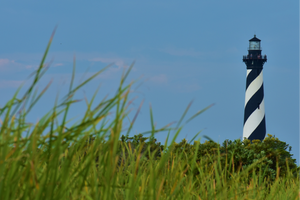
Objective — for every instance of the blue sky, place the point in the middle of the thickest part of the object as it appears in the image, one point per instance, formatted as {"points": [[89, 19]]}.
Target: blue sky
{"points": [[184, 50]]}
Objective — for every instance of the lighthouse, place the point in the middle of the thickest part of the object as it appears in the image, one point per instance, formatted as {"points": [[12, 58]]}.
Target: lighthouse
{"points": [[254, 113]]}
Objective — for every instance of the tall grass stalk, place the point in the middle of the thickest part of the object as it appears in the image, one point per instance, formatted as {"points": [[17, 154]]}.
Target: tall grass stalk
{"points": [[58, 160]]}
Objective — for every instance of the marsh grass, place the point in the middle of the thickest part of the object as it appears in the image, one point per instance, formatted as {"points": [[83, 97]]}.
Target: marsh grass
{"points": [[56, 160]]}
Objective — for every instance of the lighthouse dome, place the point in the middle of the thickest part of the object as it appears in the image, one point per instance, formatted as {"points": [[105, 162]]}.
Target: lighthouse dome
{"points": [[255, 39]]}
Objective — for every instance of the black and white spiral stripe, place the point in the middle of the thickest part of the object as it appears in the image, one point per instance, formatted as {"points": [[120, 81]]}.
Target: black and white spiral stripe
{"points": [[254, 115]]}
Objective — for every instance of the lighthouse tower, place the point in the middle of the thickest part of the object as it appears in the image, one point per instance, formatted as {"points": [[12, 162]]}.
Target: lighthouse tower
{"points": [[254, 114]]}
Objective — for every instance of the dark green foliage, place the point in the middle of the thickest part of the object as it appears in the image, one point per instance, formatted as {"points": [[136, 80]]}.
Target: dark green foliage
{"points": [[274, 155], [140, 143], [278, 159]]}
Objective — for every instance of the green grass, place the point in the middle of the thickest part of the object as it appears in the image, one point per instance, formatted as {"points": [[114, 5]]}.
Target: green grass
{"points": [[54, 161]]}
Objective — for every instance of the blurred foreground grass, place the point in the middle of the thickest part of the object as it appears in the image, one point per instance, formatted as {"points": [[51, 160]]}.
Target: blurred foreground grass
{"points": [[56, 162]]}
